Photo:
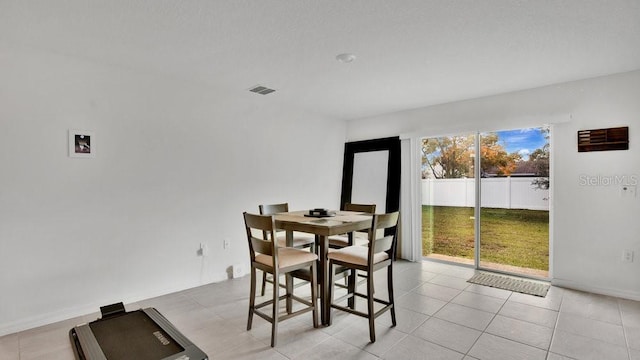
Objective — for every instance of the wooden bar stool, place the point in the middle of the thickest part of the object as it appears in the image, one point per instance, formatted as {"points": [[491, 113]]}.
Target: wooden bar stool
{"points": [[378, 255], [267, 256], [300, 240]]}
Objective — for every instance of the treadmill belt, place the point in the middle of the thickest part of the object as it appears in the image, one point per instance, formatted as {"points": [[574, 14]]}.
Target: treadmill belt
{"points": [[133, 335]]}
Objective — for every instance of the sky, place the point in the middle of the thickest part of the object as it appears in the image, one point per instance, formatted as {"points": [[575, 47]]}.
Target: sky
{"points": [[524, 141]]}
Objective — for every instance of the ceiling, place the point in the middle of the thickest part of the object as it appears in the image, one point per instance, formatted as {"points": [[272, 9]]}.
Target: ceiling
{"points": [[410, 53]]}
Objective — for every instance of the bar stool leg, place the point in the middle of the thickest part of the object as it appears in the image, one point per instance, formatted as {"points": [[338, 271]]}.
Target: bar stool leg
{"points": [[370, 309], [275, 311], [252, 297]]}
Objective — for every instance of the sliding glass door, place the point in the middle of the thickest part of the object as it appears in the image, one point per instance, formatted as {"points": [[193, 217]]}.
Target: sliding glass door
{"points": [[448, 198], [514, 211], [491, 210]]}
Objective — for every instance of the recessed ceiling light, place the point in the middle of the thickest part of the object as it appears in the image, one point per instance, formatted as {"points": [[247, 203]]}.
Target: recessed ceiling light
{"points": [[345, 58]]}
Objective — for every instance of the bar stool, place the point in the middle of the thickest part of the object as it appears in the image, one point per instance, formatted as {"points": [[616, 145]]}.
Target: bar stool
{"points": [[300, 240], [270, 258], [378, 255]]}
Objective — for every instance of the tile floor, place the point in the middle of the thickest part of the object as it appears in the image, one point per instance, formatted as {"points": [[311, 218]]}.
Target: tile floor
{"points": [[440, 316]]}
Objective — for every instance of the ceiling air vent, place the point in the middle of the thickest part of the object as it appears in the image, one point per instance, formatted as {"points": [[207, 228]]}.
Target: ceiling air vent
{"points": [[262, 90], [603, 139]]}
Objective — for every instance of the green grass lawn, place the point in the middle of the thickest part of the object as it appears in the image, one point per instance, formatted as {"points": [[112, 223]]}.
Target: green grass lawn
{"points": [[508, 236]]}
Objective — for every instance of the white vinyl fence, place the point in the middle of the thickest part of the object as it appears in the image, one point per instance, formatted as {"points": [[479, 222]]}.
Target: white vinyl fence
{"points": [[504, 192]]}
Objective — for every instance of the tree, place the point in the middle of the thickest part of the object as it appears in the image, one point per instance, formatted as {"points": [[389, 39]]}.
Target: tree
{"points": [[452, 157], [448, 157], [494, 158], [540, 158]]}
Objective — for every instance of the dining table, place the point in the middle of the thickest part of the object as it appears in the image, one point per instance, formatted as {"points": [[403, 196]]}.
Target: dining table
{"points": [[334, 223]]}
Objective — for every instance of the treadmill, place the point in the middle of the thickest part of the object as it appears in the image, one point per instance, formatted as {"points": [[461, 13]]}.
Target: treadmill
{"points": [[141, 335]]}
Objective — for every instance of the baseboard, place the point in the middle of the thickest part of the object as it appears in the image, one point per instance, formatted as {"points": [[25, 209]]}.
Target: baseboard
{"points": [[51, 317], [85, 309], [631, 295]]}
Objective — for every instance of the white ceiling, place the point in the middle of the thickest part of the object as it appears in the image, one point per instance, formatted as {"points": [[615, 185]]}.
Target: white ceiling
{"points": [[410, 53]]}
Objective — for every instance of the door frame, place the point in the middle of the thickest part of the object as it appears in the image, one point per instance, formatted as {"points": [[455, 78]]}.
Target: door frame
{"points": [[477, 207]]}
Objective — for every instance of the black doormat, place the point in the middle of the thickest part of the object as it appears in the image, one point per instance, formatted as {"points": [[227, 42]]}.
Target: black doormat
{"points": [[524, 286]]}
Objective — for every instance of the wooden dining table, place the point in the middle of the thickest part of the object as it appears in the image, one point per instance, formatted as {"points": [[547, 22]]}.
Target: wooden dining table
{"points": [[343, 222]]}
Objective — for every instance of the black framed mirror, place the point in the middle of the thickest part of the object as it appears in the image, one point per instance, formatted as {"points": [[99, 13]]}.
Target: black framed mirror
{"points": [[364, 171]]}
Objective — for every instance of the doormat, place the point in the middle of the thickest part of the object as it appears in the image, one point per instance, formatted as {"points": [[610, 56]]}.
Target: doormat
{"points": [[509, 283]]}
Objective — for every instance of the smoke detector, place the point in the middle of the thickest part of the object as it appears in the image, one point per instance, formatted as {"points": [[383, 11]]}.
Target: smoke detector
{"points": [[345, 58]]}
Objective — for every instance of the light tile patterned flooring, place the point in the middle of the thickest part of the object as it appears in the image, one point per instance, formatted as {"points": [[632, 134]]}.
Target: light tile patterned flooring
{"points": [[440, 316]]}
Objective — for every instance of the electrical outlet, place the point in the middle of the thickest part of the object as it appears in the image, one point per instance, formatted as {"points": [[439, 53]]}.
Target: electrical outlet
{"points": [[627, 255], [203, 250], [226, 244]]}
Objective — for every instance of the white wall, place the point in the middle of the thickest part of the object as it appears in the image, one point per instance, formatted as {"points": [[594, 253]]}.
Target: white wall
{"points": [[176, 165], [591, 225]]}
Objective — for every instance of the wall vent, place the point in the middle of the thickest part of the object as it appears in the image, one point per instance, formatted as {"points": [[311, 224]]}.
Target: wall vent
{"points": [[262, 90], [603, 139]]}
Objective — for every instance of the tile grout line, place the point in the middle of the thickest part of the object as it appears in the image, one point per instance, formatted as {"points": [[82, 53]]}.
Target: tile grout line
{"points": [[555, 326], [624, 332], [502, 337], [485, 329], [493, 318]]}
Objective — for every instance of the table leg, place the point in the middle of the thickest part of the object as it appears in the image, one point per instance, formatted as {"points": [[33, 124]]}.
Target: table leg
{"points": [[352, 279], [289, 289], [323, 279], [288, 278]]}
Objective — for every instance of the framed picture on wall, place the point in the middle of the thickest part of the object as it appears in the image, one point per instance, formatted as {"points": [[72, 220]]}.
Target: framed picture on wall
{"points": [[81, 144]]}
